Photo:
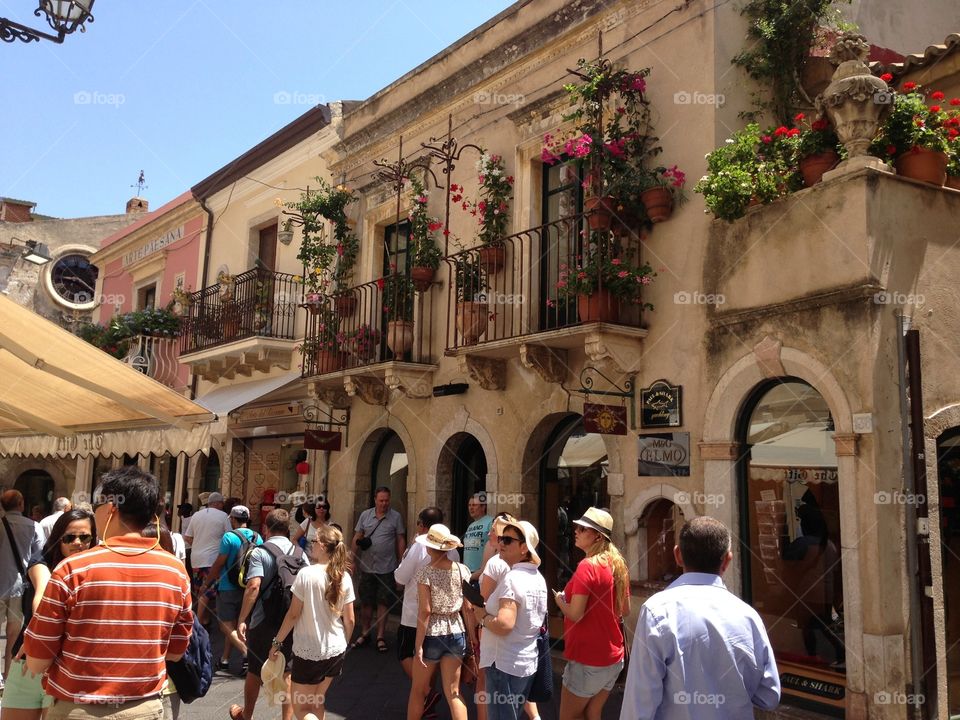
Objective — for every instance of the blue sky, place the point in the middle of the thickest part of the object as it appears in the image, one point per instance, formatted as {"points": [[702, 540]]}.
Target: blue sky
{"points": [[179, 88]]}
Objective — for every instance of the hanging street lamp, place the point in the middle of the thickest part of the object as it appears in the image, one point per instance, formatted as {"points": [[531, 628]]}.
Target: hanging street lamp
{"points": [[63, 16]]}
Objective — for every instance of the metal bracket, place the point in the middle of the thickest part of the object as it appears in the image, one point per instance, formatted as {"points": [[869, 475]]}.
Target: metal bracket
{"points": [[627, 391], [316, 416]]}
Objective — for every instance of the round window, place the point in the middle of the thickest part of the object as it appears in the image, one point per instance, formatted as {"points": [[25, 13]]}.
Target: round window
{"points": [[73, 279]]}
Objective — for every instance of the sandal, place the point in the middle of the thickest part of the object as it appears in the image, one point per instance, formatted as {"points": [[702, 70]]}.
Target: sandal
{"points": [[381, 645], [236, 712], [359, 642]]}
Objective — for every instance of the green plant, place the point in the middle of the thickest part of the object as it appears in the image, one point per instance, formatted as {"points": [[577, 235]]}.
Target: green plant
{"points": [[469, 275], [605, 265], [492, 210], [182, 295], [815, 137], [912, 123], [317, 252], [115, 336], [323, 333], [397, 293], [364, 341], [671, 178], [780, 36], [424, 251], [225, 278]]}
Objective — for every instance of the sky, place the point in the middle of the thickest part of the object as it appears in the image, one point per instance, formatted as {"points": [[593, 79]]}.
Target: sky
{"points": [[179, 88]]}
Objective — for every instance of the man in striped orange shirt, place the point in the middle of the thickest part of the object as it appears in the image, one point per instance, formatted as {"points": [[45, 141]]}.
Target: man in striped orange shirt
{"points": [[112, 615]]}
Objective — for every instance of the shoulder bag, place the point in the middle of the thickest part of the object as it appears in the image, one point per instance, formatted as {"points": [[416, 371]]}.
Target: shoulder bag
{"points": [[26, 604]]}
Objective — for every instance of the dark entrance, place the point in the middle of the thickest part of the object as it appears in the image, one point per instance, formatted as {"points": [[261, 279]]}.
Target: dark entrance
{"points": [[37, 489], [469, 474]]}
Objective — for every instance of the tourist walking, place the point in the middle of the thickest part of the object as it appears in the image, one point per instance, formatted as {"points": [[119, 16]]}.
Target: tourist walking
{"points": [[511, 620], [318, 516], [19, 541], [321, 617], [60, 506], [705, 653], [207, 528], [73, 532], [593, 604]]}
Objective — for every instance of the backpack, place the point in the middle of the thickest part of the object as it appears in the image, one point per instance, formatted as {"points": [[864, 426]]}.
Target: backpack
{"points": [[193, 673], [237, 572], [275, 598]]}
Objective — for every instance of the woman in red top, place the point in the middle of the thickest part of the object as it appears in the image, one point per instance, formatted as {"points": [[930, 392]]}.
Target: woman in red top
{"points": [[593, 603]]}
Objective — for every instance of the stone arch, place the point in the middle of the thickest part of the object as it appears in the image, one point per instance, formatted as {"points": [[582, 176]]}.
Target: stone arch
{"points": [[461, 423], [634, 540], [362, 475]]}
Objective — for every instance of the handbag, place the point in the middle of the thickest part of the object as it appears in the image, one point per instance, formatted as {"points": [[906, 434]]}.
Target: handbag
{"points": [[468, 669], [541, 690]]}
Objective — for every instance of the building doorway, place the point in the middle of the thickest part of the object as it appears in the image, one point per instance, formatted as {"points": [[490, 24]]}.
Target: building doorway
{"points": [[36, 486], [948, 471], [468, 475], [390, 469]]}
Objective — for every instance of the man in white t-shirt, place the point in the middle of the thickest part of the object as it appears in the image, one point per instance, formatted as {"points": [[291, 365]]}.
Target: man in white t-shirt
{"points": [[60, 506], [206, 530]]}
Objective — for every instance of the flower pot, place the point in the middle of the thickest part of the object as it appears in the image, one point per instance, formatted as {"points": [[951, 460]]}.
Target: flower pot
{"points": [[472, 319], [659, 203], [285, 236], [227, 289], [601, 211], [952, 182], [812, 167], [601, 306], [345, 304], [327, 361], [929, 166], [400, 336], [313, 306], [422, 277], [493, 258]]}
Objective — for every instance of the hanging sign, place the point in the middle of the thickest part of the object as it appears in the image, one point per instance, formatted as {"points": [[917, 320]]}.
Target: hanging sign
{"points": [[663, 454], [661, 405], [604, 419], [322, 440]]}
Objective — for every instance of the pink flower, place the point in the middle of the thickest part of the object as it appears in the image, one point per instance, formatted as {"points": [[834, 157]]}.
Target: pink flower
{"points": [[622, 274], [645, 280], [766, 139], [615, 261]]}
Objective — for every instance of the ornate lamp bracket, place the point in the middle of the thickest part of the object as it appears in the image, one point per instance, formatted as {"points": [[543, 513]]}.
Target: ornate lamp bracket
{"points": [[626, 392]]}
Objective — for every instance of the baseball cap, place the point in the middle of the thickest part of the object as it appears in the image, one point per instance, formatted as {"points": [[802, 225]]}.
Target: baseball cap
{"points": [[214, 497], [240, 512]]}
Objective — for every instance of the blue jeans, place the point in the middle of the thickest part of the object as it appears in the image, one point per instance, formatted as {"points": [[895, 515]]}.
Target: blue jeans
{"points": [[506, 694]]}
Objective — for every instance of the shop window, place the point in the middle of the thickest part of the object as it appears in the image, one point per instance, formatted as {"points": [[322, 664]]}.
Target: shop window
{"points": [[791, 529], [948, 471]]}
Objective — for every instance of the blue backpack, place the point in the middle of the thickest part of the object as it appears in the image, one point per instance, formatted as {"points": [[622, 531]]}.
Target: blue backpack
{"points": [[193, 673]]}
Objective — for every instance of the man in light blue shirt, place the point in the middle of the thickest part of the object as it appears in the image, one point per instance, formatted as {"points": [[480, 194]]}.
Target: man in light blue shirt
{"points": [[699, 652]]}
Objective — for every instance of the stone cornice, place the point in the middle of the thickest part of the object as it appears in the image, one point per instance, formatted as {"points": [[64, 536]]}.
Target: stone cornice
{"points": [[838, 296]]}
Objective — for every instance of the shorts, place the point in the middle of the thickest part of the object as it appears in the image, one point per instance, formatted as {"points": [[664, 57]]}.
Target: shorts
{"points": [[436, 647], [23, 690], [378, 589], [587, 680], [228, 605], [149, 709], [406, 642], [259, 639], [199, 575], [312, 672], [11, 609]]}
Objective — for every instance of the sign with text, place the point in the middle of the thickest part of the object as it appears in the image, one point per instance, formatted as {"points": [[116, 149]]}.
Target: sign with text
{"points": [[661, 405], [329, 440], [153, 246], [663, 454], [267, 412], [604, 419]]}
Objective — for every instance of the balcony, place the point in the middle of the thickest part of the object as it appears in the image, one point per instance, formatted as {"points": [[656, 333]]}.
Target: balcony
{"points": [[157, 357], [245, 327], [506, 300], [352, 343]]}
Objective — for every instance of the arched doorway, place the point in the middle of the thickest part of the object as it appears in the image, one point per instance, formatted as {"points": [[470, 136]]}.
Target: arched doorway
{"points": [[389, 469], [790, 528], [659, 530], [461, 473], [948, 470], [36, 486]]}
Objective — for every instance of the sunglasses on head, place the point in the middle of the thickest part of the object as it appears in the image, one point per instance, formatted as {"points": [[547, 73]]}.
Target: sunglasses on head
{"points": [[508, 540], [71, 538]]}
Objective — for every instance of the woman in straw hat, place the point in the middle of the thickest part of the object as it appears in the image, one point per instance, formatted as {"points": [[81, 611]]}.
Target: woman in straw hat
{"points": [[441, 625], [511, 620], [321, 617], [593, 603]]}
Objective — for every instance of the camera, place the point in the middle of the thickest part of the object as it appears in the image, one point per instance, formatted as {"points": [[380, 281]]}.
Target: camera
{"points": [[364, 543]]}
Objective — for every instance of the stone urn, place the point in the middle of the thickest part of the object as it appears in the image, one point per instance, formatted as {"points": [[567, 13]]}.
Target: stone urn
{"points": [[856, 102]]}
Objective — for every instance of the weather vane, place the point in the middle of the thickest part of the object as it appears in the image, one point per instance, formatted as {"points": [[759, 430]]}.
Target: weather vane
{"points": [[141, 184]]}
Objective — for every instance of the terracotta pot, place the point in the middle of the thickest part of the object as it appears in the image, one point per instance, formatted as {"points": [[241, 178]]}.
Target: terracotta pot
{"points": [[602, 306], [601, 211], [400, 336], [493, 258], [812, 167], [313, 306], [472, 319], [659, 203], [345, 304], [422, 277], [929, 166], [328, 361], [952, 182]]}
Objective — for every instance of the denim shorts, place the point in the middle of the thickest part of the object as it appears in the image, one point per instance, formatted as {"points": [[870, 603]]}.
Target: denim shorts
{"points": [[436, 646], [585, 681]]}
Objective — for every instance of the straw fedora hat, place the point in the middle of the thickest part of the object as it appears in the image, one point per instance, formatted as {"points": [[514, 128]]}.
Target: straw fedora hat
{"points": [[271, 674], [597, 519], [439, 537], [530, 537]]}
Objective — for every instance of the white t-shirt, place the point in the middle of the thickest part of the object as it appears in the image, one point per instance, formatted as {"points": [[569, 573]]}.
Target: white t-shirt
{"points": [[45, 526], [309, 529], [495, 569], [318, 634], [516, 653], [207, 528], [414, 558]]}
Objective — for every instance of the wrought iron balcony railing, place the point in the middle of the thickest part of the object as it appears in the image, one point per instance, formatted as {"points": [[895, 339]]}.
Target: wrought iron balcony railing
{"points": [[526, 285], [156, 357], [257, 303]]}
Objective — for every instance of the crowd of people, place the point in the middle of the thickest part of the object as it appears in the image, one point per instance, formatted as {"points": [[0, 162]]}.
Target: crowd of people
{"points": [[284, 600]]}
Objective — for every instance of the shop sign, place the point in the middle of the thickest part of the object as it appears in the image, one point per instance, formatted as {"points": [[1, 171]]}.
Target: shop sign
{"points": [[267, 412], [329, 440], [604, 419], [153, 246], [812, 686], [661, 405], [663, 454]]}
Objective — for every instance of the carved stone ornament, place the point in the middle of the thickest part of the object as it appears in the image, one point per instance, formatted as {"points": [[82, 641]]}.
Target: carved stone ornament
{"points": [[489, 373], [410, 384], [549, 363], [333, 397], [371, 390], [767, 354], [856, 101]]}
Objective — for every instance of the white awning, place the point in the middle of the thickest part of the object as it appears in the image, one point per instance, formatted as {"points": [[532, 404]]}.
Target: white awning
{"points": [[224, 399], [156, 440]]}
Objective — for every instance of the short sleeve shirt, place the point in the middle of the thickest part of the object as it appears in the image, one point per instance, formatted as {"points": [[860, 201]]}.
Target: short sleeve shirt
{"points": [[262, 565], [595, 639], [474, 540], [516, 652], [230, 546], [446, 598], [319, 633], [381, 557]]}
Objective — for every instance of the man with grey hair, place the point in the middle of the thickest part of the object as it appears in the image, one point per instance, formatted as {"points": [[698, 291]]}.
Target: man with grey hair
{"points": [[60, 506], [19, 542]]}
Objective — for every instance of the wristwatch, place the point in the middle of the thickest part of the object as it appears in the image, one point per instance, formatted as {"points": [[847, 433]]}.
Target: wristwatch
{"points": [[275, 643]]}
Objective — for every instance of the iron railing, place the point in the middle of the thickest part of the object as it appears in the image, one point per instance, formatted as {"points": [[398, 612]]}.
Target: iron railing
{"points": [[155, 357], [258, 303], [378, 321], [512, 291]]}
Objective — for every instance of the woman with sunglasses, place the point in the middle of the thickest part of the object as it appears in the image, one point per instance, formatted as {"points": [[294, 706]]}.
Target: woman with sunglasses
{"points": [[318, 517], [74, 531], [511, 620], [593, 603]]}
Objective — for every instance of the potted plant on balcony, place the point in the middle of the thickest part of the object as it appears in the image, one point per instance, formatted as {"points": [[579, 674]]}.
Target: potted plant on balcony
{"points": [[327, 258], [181, 300], [424, 252], [397, 292], [914, 135], [363, 343], [228, 285], [953, 151], [492, 210], [322, 348], [661, 189], [817, 148], [602, 280], [470, 283]]}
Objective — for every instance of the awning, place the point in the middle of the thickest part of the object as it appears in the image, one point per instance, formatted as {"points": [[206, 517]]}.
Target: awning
{"points": [[81, 399], [222, 400]]}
